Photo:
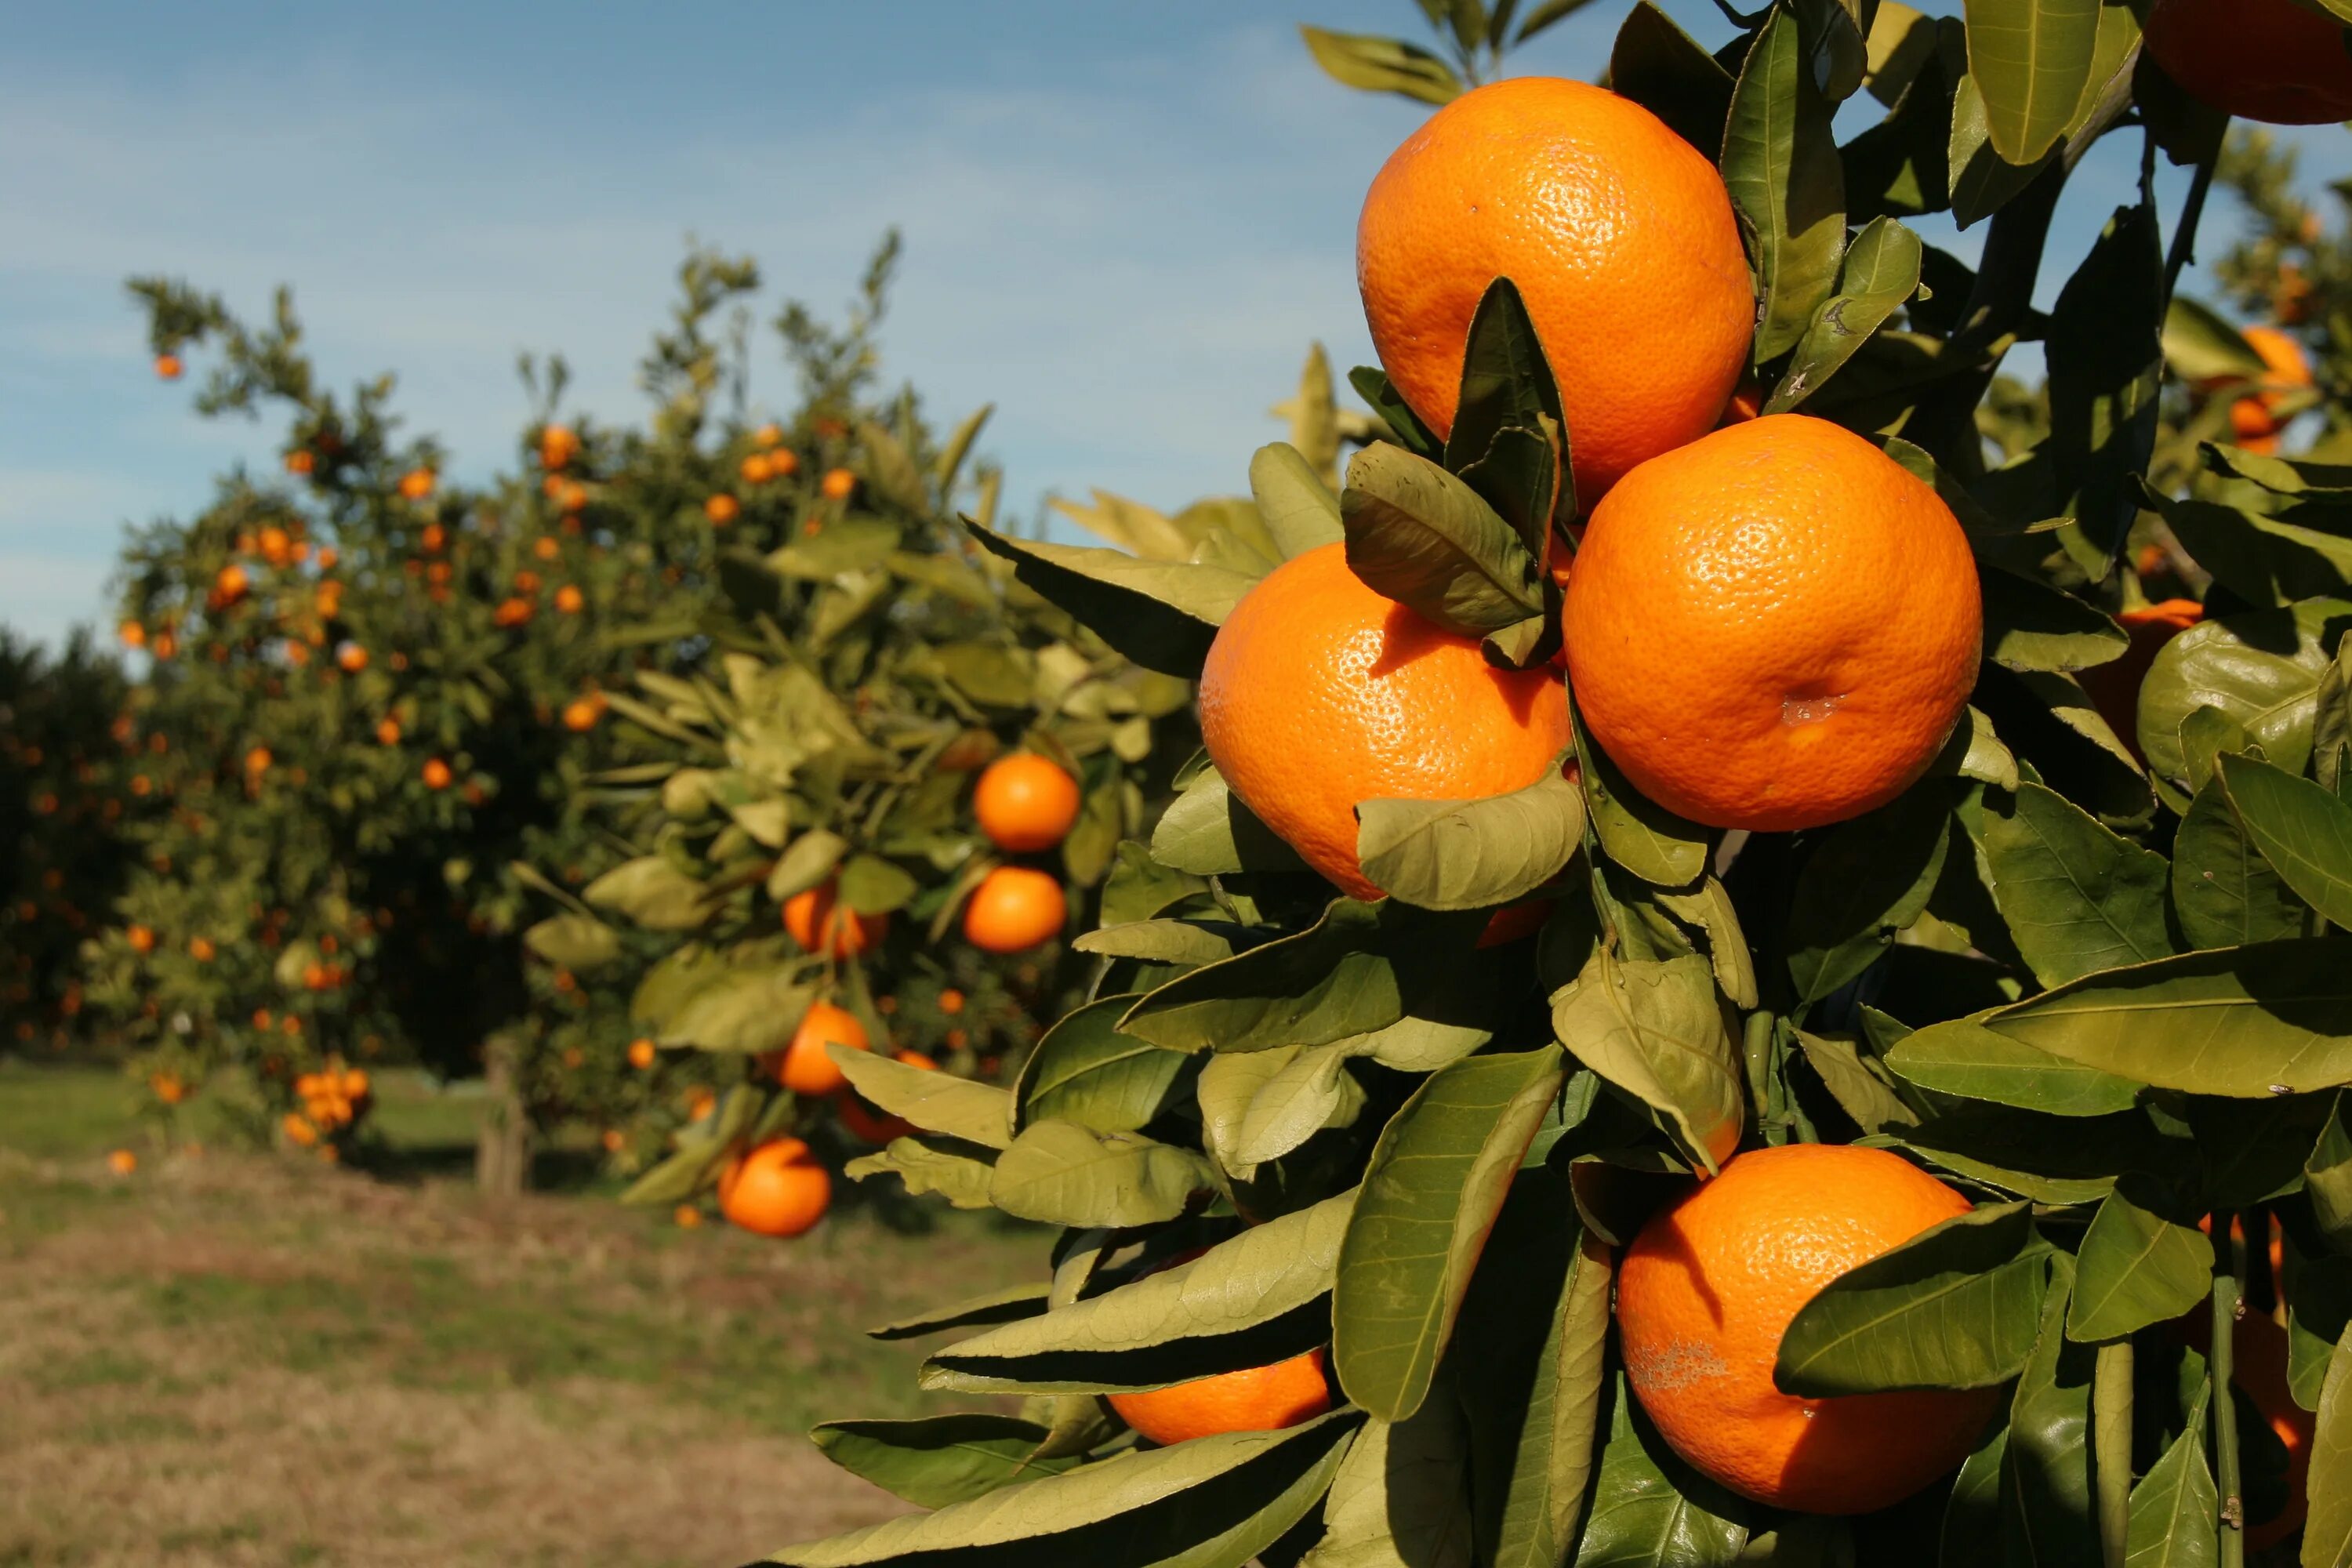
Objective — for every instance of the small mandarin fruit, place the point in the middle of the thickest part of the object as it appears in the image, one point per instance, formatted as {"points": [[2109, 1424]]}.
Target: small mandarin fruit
{"points": [[298, 1130], [641, 1054], [513, 612], [231, 583], [2255, 419], [387, 733], [1319, 694], [167, 367], [951, 1001], [802, 1066], [580, 714], [768, 434], [612, 1140], [1620, 235], [2265, 60], [844, 932], [1710, 1284], [133, 635], [201, 949], [2114, 687], [686, 1215], [568, 600], [777, 1189], [870, 1123], [416, 484], [1789, 593], [721, 510], [783, 465], [140, 938], [556, 447], [300, 461], [839, 484], [1024, 803], [437, 773], [754, 468], [351, 658], [122, 1162], [1257, 1399], [1014, 909], [258, 760]]}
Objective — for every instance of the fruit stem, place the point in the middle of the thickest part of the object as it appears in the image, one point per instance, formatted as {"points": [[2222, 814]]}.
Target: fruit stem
{"points": [[2111, 1446], [2225, 1411]]}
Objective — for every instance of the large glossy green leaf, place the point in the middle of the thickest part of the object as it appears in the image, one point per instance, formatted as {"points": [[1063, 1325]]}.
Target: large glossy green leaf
{"points": [[1664, 69], [1420, 536], [1509, 437], [1207, 831], [2327, 1532], [1637, 833], [2045, 1483], [1982, 181], [1214, 1502], [1971, 1529], [1955, 1307], [1649, 1508], [1298, 511], [2136, 1266], [1865, 881], [1397, 1500], [1962, 1057], [1436, 1180], [935, 1101], [2174, 1505], [2263, 560], [1856, 1081], [1084, 1071], [1308, 1092], [1656, 1029], [2031, 60], [1473, 854], [2260, 669], [1375, 64], [2077, 897], [2107, 364], [2224, 893], [1780, 164], [1254, 1299], [2303, 831], [1163, 615], [1331, 981], [2250, 1022], [1881, 270], [1062, 1174], [939, 1459]]}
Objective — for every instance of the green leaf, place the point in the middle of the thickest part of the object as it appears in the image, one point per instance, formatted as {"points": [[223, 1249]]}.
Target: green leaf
{"points": [[935, 1101], [941, 1165], [1255, 1298], [1958, 1306], [2320, 1309], [1880, 272], [805, 863], [1060, 1173], [1848, 1074], [2032, 625], [1162, 614], [1084, 1071], [2175, 1505], [2224, 893], [937, 1459], [2032, 61], [1664, 69], [1983, 180], [1865, 881], [2136, 1266], [995, 1307], [873, 885], [2327, 1532], [1709, 907], [1404, 427], [2263, 560], [1207, 831], [652, 892], [577, 942], [1310, 1091], [1509, 437], [2303, 831], [1469, 855], [1964, 1058], [1658, 1030], [2077, 897], [2260, 669], [1299, 512], [2327, 1178], [2250, 1022], [1650, 1508], [1383, 64], [2201, 345], [1635, 832], [1423, 538], [2107, 364], [744, 1011], [1399, 1500], [1780, 164], [2045, 1469], [1436, 1179], [1214, 1502]]}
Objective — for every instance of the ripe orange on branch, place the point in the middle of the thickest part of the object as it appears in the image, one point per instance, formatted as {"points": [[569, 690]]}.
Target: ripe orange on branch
{"points": [[1709, 1286], [2254, 418], [1773, 627], [802, 1066], [1620, 235], [818, 922], [2265, 60], [777, 1189], [1254, 1399], [1025, 802], [1015, 909], [1318, 695]]}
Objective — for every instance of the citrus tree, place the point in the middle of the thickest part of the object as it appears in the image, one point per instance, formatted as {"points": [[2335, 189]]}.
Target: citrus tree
{"points": [[1667, 1024]]}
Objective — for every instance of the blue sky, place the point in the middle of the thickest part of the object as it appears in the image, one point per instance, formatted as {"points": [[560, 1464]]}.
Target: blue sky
{"points": [[1125, 223]]}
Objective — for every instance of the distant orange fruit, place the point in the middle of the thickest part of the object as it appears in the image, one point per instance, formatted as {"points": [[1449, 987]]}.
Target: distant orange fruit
{"points": [[387, 733], [167, 367], [754, 468], [869, 1122], [140, 938], [802, 1066], [230, 583], [122, 1162], [1014, 909], [133, 635], [768, 434], [686, 1217], [1773, 627], [783, 464], [257, 760], [569, 599], [2264, 59], [777, 1189], [556, 447], [641, 1054], [839, 484], [1620, 235], [351, 658], [1318, 695], [951, 1001], [300, 461], [201, 949], [846, 932], [417, 483], [437, 773], [1710, 1284], [1025, 802], [2255, 419], [721, 510], [580, 714], [1257, 1399]]}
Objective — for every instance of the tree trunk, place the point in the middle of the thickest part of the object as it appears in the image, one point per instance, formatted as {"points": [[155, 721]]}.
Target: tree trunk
{"points": [[502, 1150]]}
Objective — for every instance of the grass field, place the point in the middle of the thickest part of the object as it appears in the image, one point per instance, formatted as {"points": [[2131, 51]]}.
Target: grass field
{"points": [[243, 1359]]}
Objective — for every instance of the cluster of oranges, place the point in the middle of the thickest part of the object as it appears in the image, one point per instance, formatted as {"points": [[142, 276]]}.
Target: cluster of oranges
{"points": [[333, 1099], [772, 461]]}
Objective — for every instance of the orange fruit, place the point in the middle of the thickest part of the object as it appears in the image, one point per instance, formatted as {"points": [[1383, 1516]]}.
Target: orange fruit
{"points": [[122, 1162], [687, 1217], [299, 462], [768, 434], [1620, 235], [2114, 687], [754, 468], [1710, 1284], [1255, 1399], [416, 484], [133, 635], [580, 713], [802, 1066], [1014, 907], [387, 733], [556, 447], [1773, 627], [2265, 60], [1318, 695], [437, 773], [513, 612], [641, 1054], [777, 1189], [839, 484], [870, 1123], [351, 658], [201, 949], [783, 465], [2254, 418], [951, 1001], [844, 932], [721, 510], [1025, 802], [230, 583], [167, 367], [140, 938], [569, 599]]}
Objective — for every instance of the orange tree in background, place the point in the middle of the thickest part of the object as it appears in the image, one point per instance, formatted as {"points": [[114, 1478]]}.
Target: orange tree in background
{"points": [[1720, 990], [71, 792]]}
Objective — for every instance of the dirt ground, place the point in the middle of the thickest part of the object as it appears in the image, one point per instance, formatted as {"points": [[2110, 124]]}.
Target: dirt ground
{"points": [[240, 1359]]}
